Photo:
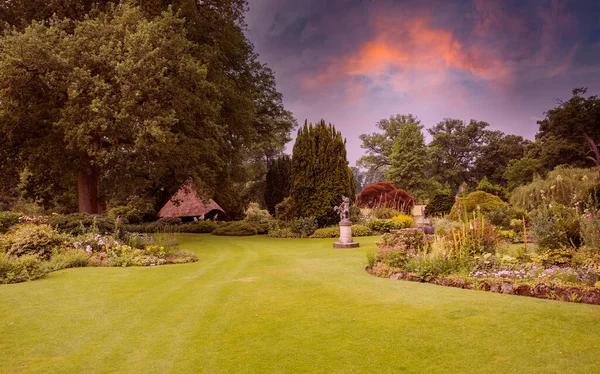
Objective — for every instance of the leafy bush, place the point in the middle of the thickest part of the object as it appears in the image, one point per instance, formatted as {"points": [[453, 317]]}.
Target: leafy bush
{"points": [[256, 215], [169, 221], [80, 223], [20, 269], [284, 232], [385, 225], [503, 215], [327, 232], [284, 211], [361, 230], [555, 227], [477, 201], [407, 221], [38, 240], [8, 219], [304, 226], [392, 257], [440, 205], [564, 186], [200, 227], [385, 213], [551, 257], [73, 258], [237, 228], [432, 267], [125, 212]]}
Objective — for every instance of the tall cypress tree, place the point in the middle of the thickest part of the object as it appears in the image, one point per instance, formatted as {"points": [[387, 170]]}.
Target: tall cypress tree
{"points": [[279, 173], [320, 172]]}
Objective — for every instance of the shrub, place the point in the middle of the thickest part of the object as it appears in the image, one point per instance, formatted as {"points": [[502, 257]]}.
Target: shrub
{"points": [[237, 228], [551, 257], [432, 267], [200, 227], [38, 240], [80, 223], [503, 215], [304, 226], [384, 213], [392, 257], [406, 221], [169, 221], [20, 269], [476, 201], [256, 215], [385, 225], [327, 232], [589, 224], [555, 227], [73, 258], [284, 211], [334, 231], [8, 219], [125, 212], [385, 194], [285, 232], [440, 205]]}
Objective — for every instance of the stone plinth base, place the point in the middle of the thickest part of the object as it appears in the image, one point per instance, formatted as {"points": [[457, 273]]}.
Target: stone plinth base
{"points": [[345, 245]]}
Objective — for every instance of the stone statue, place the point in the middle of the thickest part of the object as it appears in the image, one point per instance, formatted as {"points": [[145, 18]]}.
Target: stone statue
{"points": [[344, 209], [345, 225]]}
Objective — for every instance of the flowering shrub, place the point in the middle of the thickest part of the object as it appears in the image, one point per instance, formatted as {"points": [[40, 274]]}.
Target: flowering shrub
{"points": [[38, 240], [406, 221], [412, 240], [380, 270], [392, 257], [20, 269]]}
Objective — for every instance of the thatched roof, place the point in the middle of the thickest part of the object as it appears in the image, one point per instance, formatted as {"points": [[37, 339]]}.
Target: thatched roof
{"points": [[186, 203]]}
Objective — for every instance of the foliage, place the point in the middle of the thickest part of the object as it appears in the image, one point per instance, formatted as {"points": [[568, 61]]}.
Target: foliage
{"points": [[432, 267], [563, 185], [39, 240], [8, 219], [409, 161], [72, 258], [304, 226], [282, 232], [392, 257], [79, 223], [412, 240], [384, 213], [521, 171], [553, 256], [503, 216], [125, 212], [485, 186], [477, 201], [15, 269], [379, 146], [454, 149], [334, 231], [386, 225], [589, 226], [440, 205], [385, 195], [256, 215], [554, 227], [320, 173], [495, 154], [407, 221], [278, 179], [284, 210], [237, 228], [561, 132]]}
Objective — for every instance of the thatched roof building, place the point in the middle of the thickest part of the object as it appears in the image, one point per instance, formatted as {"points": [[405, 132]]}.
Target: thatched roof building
{"points": [[186, 204]]}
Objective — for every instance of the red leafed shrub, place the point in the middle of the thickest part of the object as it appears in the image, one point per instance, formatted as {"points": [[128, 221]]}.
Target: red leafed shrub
{"points": [[384, 194]]}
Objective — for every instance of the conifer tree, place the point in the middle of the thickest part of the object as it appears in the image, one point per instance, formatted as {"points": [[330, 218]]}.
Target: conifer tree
{"points": [[279, 172], [320, 172]]}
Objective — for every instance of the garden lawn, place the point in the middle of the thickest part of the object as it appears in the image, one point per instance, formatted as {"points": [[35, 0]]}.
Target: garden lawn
{"points": [[257, 304]]}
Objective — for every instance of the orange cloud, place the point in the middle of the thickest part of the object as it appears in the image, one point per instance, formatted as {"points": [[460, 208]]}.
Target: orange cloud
{"points": [[405, 51]]}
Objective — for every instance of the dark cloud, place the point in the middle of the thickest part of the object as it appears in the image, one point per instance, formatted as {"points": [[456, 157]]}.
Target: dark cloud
{"points": [[355, 62]]}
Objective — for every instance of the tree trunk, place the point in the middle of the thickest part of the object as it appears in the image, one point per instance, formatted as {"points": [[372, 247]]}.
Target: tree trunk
{"points": [[87, 190]]}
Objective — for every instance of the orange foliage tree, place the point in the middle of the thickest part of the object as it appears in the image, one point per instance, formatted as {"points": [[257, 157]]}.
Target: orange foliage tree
{"points": [[385, 195]]}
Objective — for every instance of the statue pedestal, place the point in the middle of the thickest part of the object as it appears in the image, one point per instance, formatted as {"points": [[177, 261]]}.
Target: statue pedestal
{"points": [[345, 236]]}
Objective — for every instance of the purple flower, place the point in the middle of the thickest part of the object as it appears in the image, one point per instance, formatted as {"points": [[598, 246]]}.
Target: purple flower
{"points": [[88, 249]]}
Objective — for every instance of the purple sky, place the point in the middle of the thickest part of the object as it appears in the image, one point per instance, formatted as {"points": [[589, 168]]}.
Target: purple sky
{"points": [[355, 62]]}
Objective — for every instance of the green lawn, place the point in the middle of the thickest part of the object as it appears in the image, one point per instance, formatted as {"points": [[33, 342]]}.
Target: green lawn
{"points": [[257, 304]]}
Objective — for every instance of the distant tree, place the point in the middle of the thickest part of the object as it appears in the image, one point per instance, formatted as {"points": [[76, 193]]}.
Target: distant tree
{"points": [[379, 146], [454, 149], [485, 186], [409, 162], [279, 173], [359, 177], [320, 173], [440, 205], [520, 172], [494, 154], [561, 131]]}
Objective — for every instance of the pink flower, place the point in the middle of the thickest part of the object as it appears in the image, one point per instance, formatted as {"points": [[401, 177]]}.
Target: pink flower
{"points": [[88, 249], [118, 219]]}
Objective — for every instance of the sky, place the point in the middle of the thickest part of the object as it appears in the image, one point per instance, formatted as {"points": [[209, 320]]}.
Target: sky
{"points": [[356, 62]]}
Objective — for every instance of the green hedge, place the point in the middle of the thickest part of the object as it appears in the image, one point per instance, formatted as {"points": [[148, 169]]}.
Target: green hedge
{"points": [[386, 225], [334, 231]]}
